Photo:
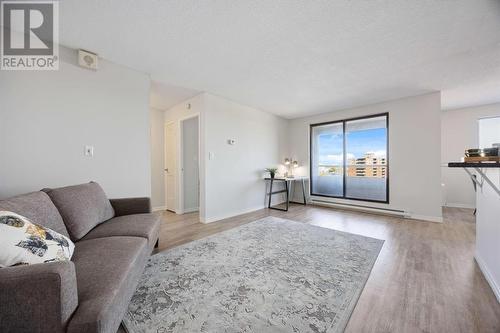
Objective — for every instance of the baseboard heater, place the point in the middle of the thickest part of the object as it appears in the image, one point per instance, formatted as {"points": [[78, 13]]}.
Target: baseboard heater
{"points": [[368, 209]]}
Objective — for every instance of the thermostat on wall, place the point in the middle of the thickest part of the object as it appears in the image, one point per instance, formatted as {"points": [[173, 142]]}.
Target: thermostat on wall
{"points": [[87, 59], [231, 141]]}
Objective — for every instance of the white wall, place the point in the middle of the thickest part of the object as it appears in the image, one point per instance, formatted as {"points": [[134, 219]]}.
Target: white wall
{"points": [[414, 151], [460, 130], [46, 118], [234, 176], [157, 159], [231, 183]]}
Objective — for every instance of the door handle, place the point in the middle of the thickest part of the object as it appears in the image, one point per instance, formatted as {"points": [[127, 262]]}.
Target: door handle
{"points": [[166, 169]]}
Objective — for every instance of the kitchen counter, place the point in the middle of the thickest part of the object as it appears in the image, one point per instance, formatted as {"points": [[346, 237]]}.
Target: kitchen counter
{"points": [[473, 165]]}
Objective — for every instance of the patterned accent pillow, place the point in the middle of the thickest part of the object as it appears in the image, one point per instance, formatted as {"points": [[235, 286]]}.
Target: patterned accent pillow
{"points": [[24, 243]]}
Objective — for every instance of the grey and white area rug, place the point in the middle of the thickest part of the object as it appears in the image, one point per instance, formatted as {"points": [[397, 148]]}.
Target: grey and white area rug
{"points": [[272, 275]]}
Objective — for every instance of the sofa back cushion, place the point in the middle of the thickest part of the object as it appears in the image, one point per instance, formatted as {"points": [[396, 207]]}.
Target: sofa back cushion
{"points": [[37, 207], [82, 207]]}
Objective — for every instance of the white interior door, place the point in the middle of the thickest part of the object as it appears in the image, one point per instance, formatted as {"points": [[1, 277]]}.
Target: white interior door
{"points": [[170, 166]]}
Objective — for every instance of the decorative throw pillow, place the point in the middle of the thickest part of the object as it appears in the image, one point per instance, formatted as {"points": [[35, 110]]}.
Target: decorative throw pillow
{"points": [[24, 243]]}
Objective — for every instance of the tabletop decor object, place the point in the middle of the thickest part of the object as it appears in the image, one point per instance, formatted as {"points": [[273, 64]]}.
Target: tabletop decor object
{"points": [[272, 171]]}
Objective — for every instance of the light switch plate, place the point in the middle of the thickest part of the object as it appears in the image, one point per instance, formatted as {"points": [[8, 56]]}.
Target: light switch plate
{"points": [[211, 156], [88, 151]]}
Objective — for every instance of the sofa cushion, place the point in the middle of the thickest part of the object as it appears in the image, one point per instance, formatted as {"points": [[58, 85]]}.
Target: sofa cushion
{"points": [[139, 225], [37, 207], [25, 243], [82, 207], [107, 273]]}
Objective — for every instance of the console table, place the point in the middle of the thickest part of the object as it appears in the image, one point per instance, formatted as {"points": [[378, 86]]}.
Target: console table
{"points": [[289, 190]]}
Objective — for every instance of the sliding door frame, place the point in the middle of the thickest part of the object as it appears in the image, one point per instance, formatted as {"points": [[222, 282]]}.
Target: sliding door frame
{"points": [[344, 173]]}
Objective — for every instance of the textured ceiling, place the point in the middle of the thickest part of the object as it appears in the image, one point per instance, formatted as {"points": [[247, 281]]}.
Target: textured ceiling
{"points": [[295, 58], [164, 96]]}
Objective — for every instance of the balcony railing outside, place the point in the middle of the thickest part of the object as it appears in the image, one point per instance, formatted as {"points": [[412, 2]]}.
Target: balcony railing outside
{"points": [[330, 182]]}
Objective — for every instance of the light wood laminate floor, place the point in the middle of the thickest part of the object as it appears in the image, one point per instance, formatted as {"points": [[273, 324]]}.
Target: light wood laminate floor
{"points": [[425, 278]]}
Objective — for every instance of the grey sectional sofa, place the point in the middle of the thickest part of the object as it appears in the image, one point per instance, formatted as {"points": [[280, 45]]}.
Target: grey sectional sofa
{"points": [[113, 240]]}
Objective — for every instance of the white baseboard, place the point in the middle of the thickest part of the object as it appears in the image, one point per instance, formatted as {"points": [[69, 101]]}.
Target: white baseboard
{"points": [[459, 205], [159, 208], [437, 219], [488, 276], [359, 208], [186, 211], [378, 211], [228, 215]]}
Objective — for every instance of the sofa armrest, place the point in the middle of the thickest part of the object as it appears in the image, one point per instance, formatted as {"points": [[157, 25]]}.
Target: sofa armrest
{"points": [[37, 298], [129, 206]]}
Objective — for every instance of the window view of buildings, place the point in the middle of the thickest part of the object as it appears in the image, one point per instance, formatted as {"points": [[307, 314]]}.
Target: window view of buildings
{"points": [[349, 159], [370, 165]]}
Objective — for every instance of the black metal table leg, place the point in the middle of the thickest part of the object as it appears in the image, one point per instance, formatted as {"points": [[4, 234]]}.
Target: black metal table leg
{"points": [[287, 196], [277, 192], [270, 193], [304, 190]]}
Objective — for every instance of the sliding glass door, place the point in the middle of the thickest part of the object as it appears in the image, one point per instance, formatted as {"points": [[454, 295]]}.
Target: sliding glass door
{"points": [[349, 159], [328, 161]]}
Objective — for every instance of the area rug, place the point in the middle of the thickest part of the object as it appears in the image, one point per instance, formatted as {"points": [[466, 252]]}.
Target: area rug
{"points": [[272, 275]]}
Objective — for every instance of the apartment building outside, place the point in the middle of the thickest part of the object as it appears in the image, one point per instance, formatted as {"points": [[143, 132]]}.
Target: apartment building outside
{"points": [[370, 165]]}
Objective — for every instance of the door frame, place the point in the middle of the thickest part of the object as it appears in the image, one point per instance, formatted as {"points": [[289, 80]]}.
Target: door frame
{"points": [[180, 163], [165, 185]]}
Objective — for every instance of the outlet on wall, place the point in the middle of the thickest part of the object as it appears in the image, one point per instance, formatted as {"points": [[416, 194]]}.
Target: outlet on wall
{"points": [[88, 151]]}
